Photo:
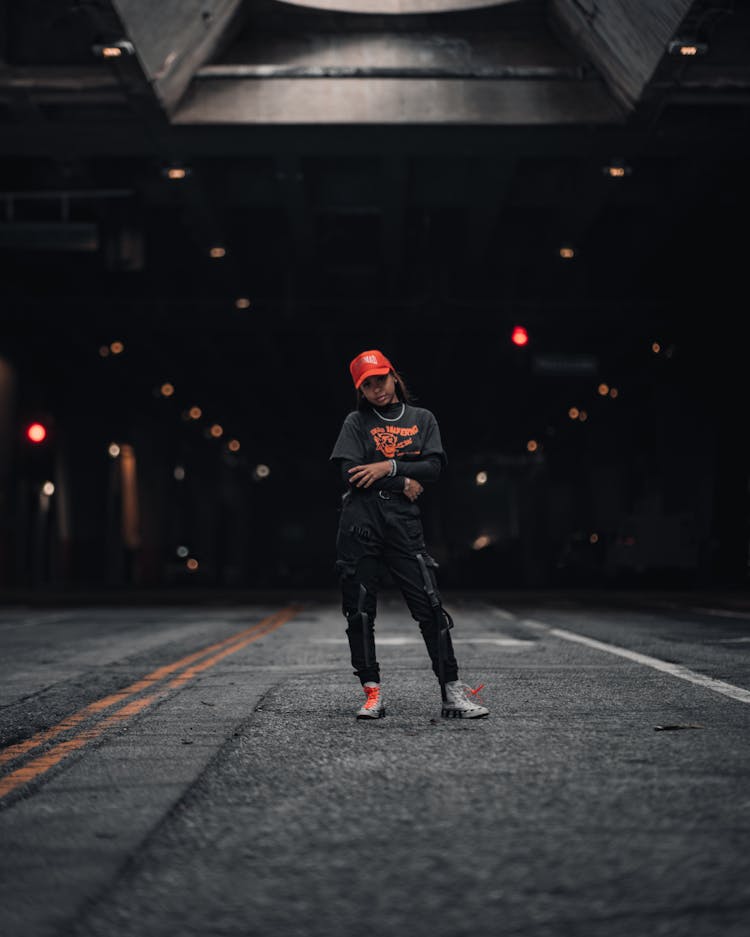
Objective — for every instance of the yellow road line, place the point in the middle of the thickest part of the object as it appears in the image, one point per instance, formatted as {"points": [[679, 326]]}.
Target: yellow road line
{"points": [[58, 752], [70, 722]]}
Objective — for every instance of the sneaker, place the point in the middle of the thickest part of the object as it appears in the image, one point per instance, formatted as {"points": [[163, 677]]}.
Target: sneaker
{"points": [[458, 705], [373, 707]]}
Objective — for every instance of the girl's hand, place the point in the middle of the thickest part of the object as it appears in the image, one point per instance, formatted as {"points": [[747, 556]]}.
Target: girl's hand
{"points": [[364, 475], [412, 489]]}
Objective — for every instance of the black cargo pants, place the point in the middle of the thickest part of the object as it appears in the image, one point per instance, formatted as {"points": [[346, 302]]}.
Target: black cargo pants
{"points": [[384, 529]]}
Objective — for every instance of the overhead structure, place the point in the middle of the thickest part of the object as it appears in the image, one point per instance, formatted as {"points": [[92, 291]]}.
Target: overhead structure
{"points": [[282, 63], [397, 7], [173, 38], [439, 62], [624, 39]]}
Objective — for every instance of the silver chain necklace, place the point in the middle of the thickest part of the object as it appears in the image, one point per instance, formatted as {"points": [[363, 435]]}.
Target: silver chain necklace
{"points": [[390, 419]]}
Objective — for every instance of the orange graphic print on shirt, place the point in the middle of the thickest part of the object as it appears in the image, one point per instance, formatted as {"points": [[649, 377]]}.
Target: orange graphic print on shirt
{"points": [[387, 438]]}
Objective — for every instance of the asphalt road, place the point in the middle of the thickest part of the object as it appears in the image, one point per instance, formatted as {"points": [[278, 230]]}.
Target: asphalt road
{"points": [[198, 771]]}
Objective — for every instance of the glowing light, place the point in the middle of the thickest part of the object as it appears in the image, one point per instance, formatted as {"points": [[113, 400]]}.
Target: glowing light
{"points": [[182, 552], [117, 348], [532, 445], [195, 413], [36, 433], [583, 416], [48, 489], [114, 450], [688, 46], [594, 538], [617, 169], [262, 471], [176, 172], [567, 253], [656, 348], [519, 336], [113, 50], [192, 564], [242, 302], [603, 389], [217, 252], [573, 413], [481, 542], [104, 351], [179, 473], [166, 390], [233, 445], [217, 430], [614, 392], [481, 478]]}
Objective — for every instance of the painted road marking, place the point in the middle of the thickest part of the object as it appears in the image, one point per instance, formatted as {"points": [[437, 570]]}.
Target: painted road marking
{"points": [[70, 722], [674, 670], [51, 618], [720, 612], [397, 640], [40, 765]]}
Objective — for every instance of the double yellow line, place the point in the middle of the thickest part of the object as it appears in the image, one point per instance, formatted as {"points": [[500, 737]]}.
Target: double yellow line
{"points": [[184, 669]]}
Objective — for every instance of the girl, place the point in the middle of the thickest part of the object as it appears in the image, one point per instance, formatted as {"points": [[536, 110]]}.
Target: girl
{"points": [[386, 450]]}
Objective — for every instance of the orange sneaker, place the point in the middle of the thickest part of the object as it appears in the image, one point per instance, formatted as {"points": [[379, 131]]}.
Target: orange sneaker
{"points": [[373, 707]]}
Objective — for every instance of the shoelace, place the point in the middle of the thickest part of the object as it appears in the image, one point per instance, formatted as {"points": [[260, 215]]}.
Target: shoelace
{"points": [[373, 694]]}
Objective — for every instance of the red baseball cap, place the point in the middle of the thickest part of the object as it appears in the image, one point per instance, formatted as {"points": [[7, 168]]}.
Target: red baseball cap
{"points": [[368, 363]]}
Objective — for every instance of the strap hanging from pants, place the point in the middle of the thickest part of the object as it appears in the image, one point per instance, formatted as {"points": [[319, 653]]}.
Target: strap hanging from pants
{"points": [[443, 621]]}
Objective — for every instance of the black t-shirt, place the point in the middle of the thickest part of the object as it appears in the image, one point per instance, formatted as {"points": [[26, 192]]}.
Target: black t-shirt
{"points": [[367, 437]]}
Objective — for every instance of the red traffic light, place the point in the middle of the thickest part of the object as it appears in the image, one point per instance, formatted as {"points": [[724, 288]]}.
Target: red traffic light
{"points": [[519, 336], [36, 433]]}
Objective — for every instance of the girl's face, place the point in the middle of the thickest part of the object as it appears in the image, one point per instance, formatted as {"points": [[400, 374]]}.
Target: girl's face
{"points": [[379, 390]]}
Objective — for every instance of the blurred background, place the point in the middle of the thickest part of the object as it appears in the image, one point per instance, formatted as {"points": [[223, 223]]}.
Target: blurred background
{"points": [[537, 210]]}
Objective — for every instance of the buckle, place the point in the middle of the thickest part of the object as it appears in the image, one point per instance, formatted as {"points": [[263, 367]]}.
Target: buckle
{"points": [[385, 495]]}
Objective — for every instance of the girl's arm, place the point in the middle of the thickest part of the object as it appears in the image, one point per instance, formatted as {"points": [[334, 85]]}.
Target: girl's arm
{"points": [[423, 470], [386, 483]]}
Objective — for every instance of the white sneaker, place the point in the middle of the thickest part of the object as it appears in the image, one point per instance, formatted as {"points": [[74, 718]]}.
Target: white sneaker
{"points": [[458, 705], [373, 707]]}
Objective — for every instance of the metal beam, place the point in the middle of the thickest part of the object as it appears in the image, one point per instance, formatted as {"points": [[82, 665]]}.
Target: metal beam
{"points": [[624, 39], [396, 101], [397, 7], [174, 38], [496, 72]]}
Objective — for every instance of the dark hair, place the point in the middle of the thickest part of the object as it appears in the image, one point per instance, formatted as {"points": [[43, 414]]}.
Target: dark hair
{"points": [[402, 392]]}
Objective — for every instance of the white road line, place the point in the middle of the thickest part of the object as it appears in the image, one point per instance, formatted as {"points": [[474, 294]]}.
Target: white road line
{"points": [[503, 613], [395, 640], [50, 618], [675, 670]]}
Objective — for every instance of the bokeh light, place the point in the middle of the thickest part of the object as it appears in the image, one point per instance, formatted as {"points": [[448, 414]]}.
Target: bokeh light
{"points": [[36, 433]]}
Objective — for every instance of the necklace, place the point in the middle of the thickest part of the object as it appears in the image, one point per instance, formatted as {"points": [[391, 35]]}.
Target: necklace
{"points": [[390, 419]]}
